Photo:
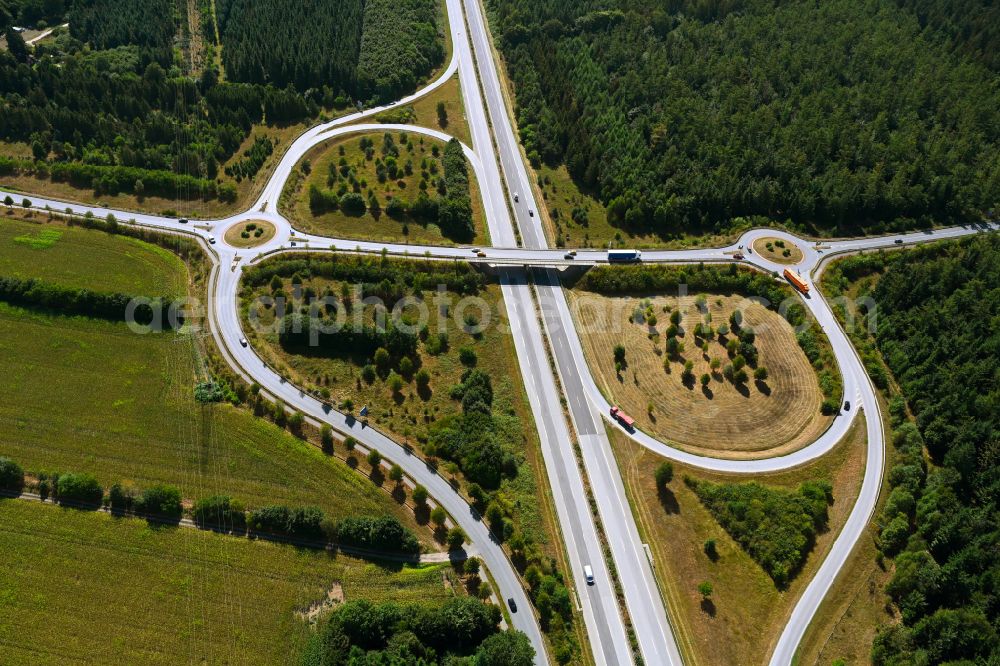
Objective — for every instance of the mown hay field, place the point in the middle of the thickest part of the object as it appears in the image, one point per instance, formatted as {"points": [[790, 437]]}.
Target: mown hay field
{"points": [[757, 419], [746, 612], [84, 586]]}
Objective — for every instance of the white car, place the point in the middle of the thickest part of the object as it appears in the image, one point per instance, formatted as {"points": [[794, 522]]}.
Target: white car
{"points": [[515, 197], [588, 573], [211, 240], [243, 342]]}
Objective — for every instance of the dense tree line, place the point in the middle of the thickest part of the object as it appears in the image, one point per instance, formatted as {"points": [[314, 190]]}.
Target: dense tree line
{"points": [[646, 279], [31, 12], [776, 527], [374, 49], [682, 116], [936, 314], [455, 207], [110, 23], [360, 632], [383, 533], [407, 275], [471, 438], [34, 293]]}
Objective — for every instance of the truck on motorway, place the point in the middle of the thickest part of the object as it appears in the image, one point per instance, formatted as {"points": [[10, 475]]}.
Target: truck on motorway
{"points": [[627, 421], [796, 281], [624, 256]]}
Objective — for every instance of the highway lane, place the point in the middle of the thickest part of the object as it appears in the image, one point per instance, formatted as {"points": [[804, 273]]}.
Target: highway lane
{"points": [[645, 607]]}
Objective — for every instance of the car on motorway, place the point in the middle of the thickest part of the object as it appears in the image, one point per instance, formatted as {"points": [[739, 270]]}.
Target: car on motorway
{"points": [[898, 241], [847, 405], [531, 213], [569, 255], [516, 199], [475, 250], [243, 342], [512, 604], [588, 573], [183, 220], [480, 254]]}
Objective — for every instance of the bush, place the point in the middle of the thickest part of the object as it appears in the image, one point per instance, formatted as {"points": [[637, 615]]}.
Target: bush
{"points": [[301, 523], [664, 474], [383, 533], [219, 511], [160, 500], [79, 488], [11, 476]]}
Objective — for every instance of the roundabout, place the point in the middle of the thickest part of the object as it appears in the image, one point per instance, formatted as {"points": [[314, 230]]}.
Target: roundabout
{"points": [[250, 233]]}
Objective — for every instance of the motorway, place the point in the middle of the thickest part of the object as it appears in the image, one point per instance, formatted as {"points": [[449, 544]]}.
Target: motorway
{"points": [[497, 162]]}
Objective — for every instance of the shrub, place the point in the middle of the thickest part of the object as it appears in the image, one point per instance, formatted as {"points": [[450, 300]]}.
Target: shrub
{"points": [[376, 533], [219, 511], [81, 488], [664, 474], [160, 500], [419, 495], [11, 476], [302, 523]]}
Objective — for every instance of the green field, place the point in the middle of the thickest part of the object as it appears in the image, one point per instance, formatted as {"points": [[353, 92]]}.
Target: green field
{"points": [[339, 155], [83, 586], [84, 259], [89, 395]]}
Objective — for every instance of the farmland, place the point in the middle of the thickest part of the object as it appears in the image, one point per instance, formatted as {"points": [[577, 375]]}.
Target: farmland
{"points": [[720, 417], [383, 187], [743, 615], [90, 395], [79, 258], [185, 596]]}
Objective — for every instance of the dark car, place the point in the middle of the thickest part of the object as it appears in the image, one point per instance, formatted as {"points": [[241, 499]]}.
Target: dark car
{"points": [[183, 220], [512, 604], [898, 241], [847, 405]]}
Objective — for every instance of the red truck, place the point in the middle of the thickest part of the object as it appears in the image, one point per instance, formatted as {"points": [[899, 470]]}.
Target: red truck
{"points": [[627, 421]]}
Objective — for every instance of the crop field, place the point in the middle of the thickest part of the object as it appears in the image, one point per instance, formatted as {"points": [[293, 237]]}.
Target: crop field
{"points": [[81, 258], [91, 395], [746, 611], [84, 586], [419, 163], [759, 418]]}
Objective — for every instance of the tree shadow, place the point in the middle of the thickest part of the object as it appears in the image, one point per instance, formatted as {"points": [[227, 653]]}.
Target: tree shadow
{"points": [[398, 398], [424, 393], [352, 461], [706, 391], [669, 501], [743, 389], [422, 514], [708, 607], [377, 476], [762, 386], [399, 493]]}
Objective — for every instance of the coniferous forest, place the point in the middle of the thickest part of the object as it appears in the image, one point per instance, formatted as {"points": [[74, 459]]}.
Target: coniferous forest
{"points": [[840, 116], [112, 106]]}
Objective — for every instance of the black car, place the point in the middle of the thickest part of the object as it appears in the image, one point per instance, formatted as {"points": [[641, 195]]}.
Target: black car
{"points": [[847, 405], [512, 604], [183, 221], [898, 241]]}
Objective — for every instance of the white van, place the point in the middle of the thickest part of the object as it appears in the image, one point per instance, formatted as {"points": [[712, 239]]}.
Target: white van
{"points": [[588, 573]]}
